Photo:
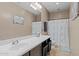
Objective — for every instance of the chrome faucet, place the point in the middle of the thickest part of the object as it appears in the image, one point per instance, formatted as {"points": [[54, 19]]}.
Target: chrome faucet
{"points": [[15, 42]]}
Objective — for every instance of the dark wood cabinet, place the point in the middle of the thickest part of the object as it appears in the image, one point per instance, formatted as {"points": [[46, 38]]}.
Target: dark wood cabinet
{"points": [[41, 50], [36, 51], [46, 47]]}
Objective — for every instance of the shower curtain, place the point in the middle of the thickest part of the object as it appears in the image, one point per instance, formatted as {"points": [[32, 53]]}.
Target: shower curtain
{"points": [[58, 31]]}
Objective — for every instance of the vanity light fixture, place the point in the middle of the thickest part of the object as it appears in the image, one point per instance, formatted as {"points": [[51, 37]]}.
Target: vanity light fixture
{"points": [[31, 5], [57, 3], [36, 5]]}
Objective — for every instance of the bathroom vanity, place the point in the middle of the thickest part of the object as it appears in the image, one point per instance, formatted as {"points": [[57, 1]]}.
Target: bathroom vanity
{"points": [[27, 46], [42, 49]]}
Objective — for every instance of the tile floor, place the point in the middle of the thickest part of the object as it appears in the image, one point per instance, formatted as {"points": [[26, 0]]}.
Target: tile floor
{"points": [[57, 52]]}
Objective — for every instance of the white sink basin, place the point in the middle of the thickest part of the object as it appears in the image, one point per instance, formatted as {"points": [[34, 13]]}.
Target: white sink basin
{"points": [[18, 46]]}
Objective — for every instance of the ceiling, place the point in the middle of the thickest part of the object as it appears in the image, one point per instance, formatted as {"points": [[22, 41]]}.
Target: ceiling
{"points": [[50, 6]]}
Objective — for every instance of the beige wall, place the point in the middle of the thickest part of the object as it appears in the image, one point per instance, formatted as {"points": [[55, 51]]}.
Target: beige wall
{"points": [[7, 28], [37, 18], [44, 14], [74, 29], [59, 15], [74, 36], [53, 15]]}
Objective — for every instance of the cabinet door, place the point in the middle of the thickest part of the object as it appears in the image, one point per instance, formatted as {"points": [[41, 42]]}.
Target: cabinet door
{"points": [[37, 51], [45, 50]]}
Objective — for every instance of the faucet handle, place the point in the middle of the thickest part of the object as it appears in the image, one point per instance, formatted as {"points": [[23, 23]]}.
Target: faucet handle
{"points": [[15, 42]]}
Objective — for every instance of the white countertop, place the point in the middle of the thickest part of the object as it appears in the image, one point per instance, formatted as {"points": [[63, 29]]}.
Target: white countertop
{"points": [[25, 44]]}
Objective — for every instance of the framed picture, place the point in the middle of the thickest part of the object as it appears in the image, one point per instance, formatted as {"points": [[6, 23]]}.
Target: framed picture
{"points": [[18, 20]]}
